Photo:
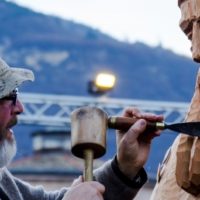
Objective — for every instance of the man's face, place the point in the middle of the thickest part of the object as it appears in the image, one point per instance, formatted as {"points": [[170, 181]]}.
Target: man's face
{"points": [[190, 24], [10, 107]]}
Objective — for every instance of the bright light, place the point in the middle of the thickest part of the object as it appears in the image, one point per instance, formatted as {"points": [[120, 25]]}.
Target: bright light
{"points": [[105, 81]]}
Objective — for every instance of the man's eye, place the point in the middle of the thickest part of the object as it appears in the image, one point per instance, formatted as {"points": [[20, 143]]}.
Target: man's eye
{"points": [[12, 98]]}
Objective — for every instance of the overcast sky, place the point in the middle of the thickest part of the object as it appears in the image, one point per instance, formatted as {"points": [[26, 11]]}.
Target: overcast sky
{"points": [[154, 22]]}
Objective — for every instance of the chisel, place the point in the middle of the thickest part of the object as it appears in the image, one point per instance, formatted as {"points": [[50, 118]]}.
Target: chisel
{"points": [[124, 123]]}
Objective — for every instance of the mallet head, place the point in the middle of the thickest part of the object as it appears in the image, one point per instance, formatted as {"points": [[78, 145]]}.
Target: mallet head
{"points": [[88, 131]]}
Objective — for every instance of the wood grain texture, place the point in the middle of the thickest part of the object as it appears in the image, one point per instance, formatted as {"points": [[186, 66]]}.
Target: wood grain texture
{"points": [[178, 178]]}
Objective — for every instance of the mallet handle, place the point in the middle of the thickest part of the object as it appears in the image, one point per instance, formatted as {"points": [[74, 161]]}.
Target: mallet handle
{"points": [[88, 160]]}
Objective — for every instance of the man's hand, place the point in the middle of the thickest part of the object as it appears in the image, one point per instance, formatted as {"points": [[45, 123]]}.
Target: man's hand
{"points": [[133, 146], [90, 190]]}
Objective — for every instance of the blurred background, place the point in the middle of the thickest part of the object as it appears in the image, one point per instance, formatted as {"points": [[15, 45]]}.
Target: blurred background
{"points": [[67, 44]]}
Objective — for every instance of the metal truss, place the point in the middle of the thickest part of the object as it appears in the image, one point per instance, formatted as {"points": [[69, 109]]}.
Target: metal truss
{"points": [[54, 110]]}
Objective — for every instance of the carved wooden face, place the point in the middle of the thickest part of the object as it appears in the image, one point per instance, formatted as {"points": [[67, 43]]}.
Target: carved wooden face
{"points": [[190, 24]]}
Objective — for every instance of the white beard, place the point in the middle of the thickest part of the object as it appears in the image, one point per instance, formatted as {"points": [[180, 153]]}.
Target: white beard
{"points": [[7, 152]]}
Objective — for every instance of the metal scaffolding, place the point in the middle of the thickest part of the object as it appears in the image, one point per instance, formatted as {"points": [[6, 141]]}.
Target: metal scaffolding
{"points": [[54, 110]]}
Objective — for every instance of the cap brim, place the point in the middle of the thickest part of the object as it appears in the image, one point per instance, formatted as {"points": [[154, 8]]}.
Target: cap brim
{"points": [[13, 78]]}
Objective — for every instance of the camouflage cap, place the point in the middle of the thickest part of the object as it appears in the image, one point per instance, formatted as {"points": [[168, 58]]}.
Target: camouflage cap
{"points": [[11, 78]]}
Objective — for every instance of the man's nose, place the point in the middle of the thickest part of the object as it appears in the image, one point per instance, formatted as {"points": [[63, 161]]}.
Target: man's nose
{"points": [[19, 108]]}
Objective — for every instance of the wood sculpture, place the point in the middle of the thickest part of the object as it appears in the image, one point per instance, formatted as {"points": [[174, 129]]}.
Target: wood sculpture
{"points": [[176, 178], [179, 174]]}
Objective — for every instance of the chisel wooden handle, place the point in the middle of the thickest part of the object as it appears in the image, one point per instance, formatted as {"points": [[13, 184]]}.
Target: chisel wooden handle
{"points": [[124, 123]]}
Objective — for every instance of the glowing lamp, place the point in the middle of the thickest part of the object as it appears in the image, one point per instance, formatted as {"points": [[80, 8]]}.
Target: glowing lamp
{"points": [[105, 81]]}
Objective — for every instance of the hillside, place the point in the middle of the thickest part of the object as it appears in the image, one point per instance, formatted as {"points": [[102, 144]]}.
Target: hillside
{"points": [[65, 55], [60, 50]]}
